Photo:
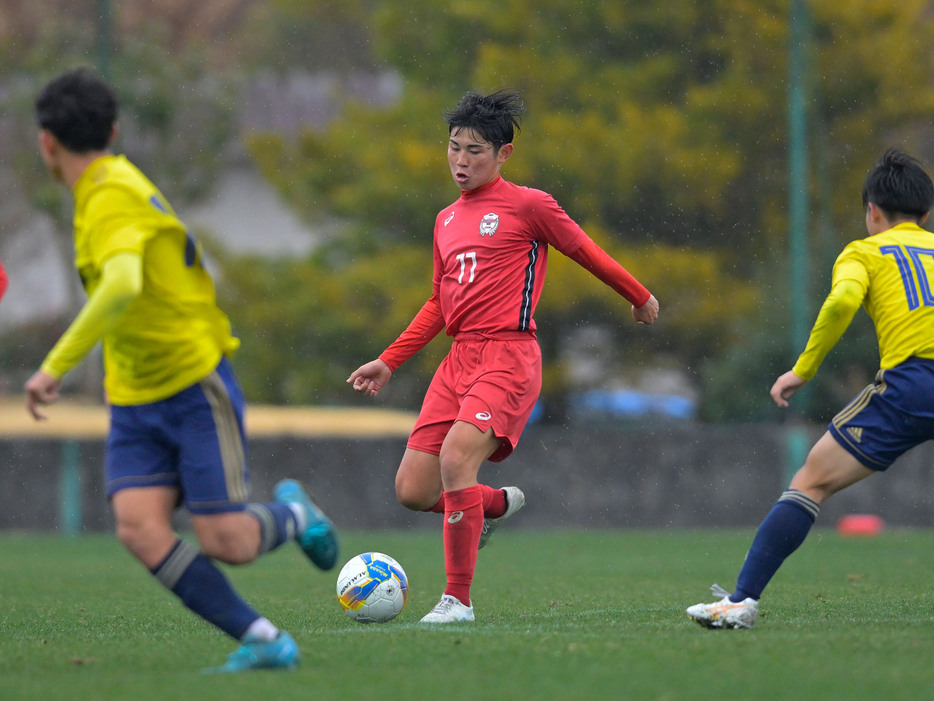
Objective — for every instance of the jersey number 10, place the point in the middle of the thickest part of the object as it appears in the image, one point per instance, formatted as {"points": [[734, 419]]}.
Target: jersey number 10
{"points": [[910, 268]]}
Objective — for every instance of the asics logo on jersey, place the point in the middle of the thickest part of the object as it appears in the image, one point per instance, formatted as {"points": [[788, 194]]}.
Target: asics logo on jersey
{"points": [[448, 220], [489, 224], [455, 517], [856, 433], [483, 416]]}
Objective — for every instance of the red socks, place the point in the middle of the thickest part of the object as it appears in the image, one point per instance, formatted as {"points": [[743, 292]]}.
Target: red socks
{"points": [[463, 522], [464, 511], [494, 502]]}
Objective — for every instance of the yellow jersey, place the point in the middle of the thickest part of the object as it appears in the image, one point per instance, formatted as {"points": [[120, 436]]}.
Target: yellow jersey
{"points": [[893, 274], [173, 334]]}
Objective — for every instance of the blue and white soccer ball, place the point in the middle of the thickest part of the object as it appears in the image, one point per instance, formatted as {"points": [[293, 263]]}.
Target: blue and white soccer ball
{"points": [[372, 588]]}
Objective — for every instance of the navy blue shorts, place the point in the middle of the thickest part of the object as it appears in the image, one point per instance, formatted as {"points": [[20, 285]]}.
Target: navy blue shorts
{"points": [[193, 441], [889, 417]]}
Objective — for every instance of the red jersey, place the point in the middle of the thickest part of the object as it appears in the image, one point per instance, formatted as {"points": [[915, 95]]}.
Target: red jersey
{"points": [[490, 255]]}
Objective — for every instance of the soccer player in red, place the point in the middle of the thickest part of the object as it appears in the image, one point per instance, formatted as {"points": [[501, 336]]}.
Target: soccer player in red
{"points": [[3, 280], [490, 255]]}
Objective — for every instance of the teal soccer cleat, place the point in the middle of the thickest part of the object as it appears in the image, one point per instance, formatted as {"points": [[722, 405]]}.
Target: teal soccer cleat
{"points": [[319, 538], [281, 653]]}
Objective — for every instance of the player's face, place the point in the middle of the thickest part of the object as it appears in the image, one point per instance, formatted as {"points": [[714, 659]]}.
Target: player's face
{"points": [[472, 160]]}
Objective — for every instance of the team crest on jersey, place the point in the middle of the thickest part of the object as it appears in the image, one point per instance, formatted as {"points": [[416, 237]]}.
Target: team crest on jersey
{"points": [[489, 224]]}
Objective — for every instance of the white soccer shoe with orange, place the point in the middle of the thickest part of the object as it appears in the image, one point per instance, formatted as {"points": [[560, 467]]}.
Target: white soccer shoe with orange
{"points": [[725, 613]]}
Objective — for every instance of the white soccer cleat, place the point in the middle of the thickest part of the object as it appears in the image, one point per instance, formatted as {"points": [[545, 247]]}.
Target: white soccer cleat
{"points": [[725, 613], [515, 500], [449, 610]]}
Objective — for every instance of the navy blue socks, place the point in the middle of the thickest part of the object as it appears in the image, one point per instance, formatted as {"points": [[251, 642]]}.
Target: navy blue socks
{"points": [[783, 530], [204, 589], [277, 524]]}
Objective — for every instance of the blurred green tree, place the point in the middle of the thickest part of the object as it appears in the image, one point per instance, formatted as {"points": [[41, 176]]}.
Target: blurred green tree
{"points": [[661, 128], [176, 116]]}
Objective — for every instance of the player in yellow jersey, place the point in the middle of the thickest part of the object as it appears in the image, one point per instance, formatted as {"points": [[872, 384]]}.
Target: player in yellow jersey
{"points": [[891, 274], [176, 435]]}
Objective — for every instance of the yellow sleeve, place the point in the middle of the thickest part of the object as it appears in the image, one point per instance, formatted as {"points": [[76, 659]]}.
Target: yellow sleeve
{"points": [[121, 281], [834, 317]]}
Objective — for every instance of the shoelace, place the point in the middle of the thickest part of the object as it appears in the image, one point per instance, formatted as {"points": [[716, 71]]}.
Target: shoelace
{"points": [[443, 606], [718, 591]]}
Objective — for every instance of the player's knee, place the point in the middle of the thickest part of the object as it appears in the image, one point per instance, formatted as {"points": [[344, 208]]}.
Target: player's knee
{"points": [[415, 497], [418, 481], [130, 535], [147, 542], [818, 484], [457, 470], [410, 503]]}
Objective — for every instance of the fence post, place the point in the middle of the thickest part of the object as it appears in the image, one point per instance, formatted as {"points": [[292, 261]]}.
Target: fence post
{"points": [[797, 447], [70, 514]]}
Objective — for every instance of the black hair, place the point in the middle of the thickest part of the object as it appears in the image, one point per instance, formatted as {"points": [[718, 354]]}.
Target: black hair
{"points": [[80, 109], [494, 117], [898, 184]]}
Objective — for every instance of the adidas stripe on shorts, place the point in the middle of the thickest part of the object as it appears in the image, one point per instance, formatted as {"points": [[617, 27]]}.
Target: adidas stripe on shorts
{"points": [[889, 417]]}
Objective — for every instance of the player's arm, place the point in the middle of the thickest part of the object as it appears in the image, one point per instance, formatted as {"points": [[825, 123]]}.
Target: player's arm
{"points": [[604, 267], [834, 317], [425, 326], [121, 281], [373, 376], [551, 223]]}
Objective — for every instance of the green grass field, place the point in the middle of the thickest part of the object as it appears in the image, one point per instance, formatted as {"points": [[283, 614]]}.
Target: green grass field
{"points": [[560, 615]]}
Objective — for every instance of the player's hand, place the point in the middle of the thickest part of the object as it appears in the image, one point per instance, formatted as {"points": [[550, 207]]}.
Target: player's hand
{"points": [[647, 313], [41, 389], [370, 378], [785, 386]]}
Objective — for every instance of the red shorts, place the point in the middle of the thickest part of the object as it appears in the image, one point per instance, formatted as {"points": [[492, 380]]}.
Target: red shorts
{"points": [[490, 382]]}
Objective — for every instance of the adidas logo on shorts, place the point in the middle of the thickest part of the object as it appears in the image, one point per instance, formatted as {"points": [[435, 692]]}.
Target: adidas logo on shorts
{"points": [[856, 434]]}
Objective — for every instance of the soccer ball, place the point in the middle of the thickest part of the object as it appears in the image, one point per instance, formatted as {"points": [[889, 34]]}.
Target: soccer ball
{"points": [[372, 588]]}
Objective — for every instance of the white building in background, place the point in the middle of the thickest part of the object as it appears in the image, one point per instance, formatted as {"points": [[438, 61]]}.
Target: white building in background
{"points": [[248, 217], [244, 214], [40, 277]]}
